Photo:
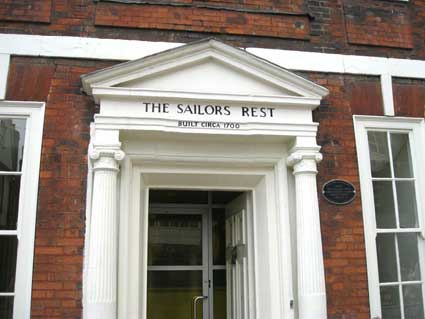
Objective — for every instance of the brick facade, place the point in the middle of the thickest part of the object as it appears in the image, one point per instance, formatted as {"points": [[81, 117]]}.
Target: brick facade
{"points": [[384, 28], [57, 285]]}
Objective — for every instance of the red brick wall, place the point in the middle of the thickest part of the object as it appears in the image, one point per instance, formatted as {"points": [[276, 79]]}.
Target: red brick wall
{"points": [[409, 97], [379, 23], [59, 243], [203, 20], [342, 226], [366, 27]]}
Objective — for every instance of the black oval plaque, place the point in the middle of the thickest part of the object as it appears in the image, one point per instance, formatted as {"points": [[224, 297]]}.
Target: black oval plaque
{"points": [[339, 192]]}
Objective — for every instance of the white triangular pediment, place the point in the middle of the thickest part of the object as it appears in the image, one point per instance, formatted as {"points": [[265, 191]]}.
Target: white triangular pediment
{"points": [[209, 75], [205, 67]]}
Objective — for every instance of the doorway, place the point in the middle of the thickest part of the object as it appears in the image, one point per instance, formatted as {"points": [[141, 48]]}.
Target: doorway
{"points": [[263, 209], [188, 248]]}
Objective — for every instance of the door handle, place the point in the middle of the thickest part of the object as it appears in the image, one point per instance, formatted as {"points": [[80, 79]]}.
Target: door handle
{"points": [[195, 303]]}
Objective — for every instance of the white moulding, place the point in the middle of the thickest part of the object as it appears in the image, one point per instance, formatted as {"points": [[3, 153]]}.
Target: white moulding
{"points": [[79, 47], [4, 70], [122, 50]]}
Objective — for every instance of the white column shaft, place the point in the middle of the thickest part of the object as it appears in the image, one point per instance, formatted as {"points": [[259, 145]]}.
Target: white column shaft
{"points": [[102, 254], [310, 269]]}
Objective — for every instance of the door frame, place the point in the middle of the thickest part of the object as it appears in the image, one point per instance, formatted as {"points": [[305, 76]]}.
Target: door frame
{"points": [[269, 243]]}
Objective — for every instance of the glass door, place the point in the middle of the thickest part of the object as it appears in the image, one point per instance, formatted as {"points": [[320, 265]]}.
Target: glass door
{"points": [[178, 274], [187, 255]]}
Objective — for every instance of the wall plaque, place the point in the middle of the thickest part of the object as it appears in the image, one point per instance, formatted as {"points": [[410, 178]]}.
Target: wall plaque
{"points": [[339, 192]]}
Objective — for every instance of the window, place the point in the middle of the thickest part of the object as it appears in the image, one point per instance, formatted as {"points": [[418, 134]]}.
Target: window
{"points": [[20, 146], [390, 151]]}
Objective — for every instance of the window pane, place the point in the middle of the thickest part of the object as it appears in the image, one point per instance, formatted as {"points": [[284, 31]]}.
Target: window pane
{"points": [[6, 307], [409, 257], [8, 250], [219, 286], [406, 198], [12, 137], [413, 301], [400, 150], [9, 201], [175, 239], [387, 261], [384, 204], [390, 302], [379, 155], [219, 236], [170, 294]]}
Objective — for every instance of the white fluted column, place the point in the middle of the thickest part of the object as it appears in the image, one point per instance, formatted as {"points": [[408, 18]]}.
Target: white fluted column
{"points": [[311, 276], [101, 279]]}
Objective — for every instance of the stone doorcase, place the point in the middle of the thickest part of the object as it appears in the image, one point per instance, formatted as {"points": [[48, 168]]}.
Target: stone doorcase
{"points": [[211, 116]]}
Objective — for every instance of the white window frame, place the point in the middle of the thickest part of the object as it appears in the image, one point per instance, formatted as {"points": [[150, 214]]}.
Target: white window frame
{"points": [[33, 112], [416, 129]]}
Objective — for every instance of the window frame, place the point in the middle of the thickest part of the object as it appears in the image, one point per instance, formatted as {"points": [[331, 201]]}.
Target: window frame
{"points": [[416, 130], [33, 112]]}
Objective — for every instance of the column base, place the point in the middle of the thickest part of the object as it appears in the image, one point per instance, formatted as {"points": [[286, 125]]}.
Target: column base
{"points": [[312, 306], [101, 310]]}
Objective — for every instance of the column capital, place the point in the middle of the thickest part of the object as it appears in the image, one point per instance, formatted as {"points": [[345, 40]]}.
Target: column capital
{"points": [[106, 158], [304, 160]]}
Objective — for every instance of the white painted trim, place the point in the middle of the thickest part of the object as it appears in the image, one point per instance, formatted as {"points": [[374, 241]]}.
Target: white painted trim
{"points": [[124, 50], [79, 47], [341, 63], [34, 113], [4, 71], [285, 271], [415, 127], [387, 94]]}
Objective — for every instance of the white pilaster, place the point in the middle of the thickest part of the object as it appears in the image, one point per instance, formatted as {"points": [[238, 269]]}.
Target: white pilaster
{"points": [[311, 277], [387, 94], [4, 70], [101, 277]]}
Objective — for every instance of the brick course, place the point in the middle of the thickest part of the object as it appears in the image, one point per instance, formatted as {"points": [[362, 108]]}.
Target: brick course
{"points": [[202, 20], [26, 10], [379, 24]]}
